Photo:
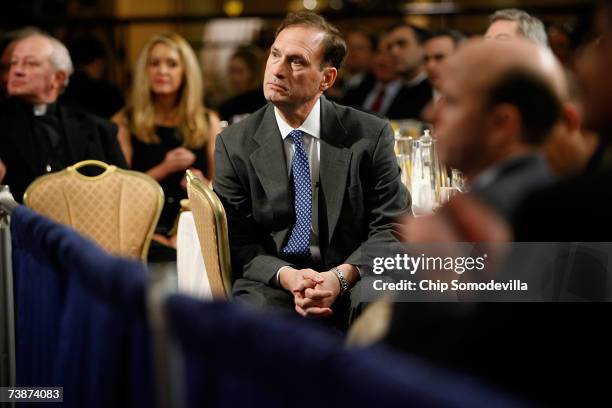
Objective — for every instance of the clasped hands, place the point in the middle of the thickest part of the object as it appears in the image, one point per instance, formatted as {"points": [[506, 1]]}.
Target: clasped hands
{"points": [[313, 292]]}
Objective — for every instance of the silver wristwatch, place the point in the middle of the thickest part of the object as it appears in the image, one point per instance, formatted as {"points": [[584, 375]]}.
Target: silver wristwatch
{"points": [[341, 279]]}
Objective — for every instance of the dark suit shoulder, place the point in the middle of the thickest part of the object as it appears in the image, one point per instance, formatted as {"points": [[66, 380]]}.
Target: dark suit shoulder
{"points": [[410, 101]]}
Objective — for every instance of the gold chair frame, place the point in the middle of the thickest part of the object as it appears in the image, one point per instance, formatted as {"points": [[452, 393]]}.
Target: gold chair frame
{"points": [[221, 287]]}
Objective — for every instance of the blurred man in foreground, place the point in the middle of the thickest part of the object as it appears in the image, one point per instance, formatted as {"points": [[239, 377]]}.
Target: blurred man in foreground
{"points": [[550, 352], [490, 126]]}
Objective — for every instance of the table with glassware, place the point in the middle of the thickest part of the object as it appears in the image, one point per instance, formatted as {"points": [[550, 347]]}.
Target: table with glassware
{"points": [[430, 182]]}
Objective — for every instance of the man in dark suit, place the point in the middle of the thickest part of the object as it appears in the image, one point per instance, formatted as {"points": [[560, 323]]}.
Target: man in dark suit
{"points": [[438, 46], [305, 182], [582, 203], [406, 49], [89, 57], [357, 78], [378, 95], [40, 135]]}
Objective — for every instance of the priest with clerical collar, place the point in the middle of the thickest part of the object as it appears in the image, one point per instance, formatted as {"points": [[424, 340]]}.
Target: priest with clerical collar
{"points": [[40, 135]]}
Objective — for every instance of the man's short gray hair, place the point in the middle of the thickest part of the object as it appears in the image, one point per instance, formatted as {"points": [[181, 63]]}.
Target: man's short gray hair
{"points": [[530, 27], [60, 58]]}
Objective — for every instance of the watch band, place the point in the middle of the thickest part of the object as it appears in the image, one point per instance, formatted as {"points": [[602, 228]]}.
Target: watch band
{"points": [[341, 279]]}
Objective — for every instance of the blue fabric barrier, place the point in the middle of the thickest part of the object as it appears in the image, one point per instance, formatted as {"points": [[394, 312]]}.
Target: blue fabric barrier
{"points": [[80, 317], [81, 324], [238, 358]]}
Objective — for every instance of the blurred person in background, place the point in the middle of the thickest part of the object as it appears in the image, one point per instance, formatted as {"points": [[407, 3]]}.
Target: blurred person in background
{"points": [[509, 24], [382, 93], [572, 149], [356, 74], [582, 202], [7, 43], [361, 48], [438, 46], [88, 89], [165, 129], [560, 40], [406, 49], [40, 135], [244, 74]]}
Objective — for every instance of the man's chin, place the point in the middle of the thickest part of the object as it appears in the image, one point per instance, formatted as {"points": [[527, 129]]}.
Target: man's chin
{"points": [[276, 99]]}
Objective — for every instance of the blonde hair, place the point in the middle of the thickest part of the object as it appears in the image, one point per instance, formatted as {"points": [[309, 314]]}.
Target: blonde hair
{"points": [[192, 116]]}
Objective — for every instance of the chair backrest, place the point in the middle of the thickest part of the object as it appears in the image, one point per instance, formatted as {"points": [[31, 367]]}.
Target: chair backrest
{"points": [[211, 226], [118, 209]]}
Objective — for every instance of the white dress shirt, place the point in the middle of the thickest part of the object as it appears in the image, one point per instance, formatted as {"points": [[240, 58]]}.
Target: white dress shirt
{"points": [[391, 90]]}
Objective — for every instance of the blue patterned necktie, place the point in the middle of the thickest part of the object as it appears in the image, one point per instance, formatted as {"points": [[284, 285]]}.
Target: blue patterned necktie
{"points": [[299, 240]]}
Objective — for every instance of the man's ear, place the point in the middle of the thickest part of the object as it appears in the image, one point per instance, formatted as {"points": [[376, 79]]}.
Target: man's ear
{"points": [[572, 117], [506, 124], [60, 78], [329, 77]]}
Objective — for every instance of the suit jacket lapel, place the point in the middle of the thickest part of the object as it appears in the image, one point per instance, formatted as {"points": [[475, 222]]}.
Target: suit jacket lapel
{"points": [[76, 137], [270, 164], [334, 165]]}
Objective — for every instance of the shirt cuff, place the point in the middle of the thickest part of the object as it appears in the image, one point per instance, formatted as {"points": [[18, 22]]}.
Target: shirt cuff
{"points": [[278, 275]]}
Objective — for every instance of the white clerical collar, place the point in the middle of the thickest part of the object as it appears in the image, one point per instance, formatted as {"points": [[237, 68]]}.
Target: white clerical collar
{"points": [[311, 125], [39, 110]]}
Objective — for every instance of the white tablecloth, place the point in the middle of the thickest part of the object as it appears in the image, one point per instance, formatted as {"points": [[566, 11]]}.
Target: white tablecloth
{"points": [[191, 271]]}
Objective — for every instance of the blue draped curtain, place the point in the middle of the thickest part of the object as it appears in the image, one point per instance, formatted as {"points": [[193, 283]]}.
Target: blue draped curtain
{"points": [[80, 317], [81, 323], [238, 358]]}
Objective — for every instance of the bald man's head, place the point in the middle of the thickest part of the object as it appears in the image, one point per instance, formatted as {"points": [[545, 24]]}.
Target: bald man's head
{"points": [[499, 100], [500, 58]]}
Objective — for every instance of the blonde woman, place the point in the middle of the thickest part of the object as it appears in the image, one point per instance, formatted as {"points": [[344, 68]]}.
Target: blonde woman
{"points": [[165, 129]]}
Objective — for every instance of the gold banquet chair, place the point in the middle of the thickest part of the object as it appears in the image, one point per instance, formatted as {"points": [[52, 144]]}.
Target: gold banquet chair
{"points": [[117, 208], [211, 226]]}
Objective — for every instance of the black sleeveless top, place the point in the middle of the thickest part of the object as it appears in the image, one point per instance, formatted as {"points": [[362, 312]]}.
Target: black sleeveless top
{"points": [[146, 156]]}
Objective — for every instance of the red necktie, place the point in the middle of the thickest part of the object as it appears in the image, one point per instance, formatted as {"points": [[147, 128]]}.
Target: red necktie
{"points": [[378, 101]]}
